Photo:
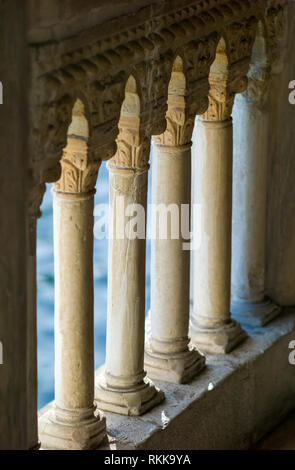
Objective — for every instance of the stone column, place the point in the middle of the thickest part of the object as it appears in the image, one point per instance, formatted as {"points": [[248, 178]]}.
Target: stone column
{"points": [[168, 355], [73, 421], [121, 386], [249, 303], [212, 328]]}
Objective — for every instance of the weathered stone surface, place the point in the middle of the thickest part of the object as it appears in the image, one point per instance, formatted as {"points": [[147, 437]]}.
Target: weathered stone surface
{"points": [[167, 354], [55, 52], [280, 251], [236, 400], [212, 329], [18, 392]]}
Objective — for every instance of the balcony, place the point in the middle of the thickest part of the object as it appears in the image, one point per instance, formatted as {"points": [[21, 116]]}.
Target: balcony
{"points": [[206, 85]]}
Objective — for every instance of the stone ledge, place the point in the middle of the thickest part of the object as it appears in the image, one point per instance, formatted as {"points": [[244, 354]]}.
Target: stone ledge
{"points": [[253, 390], [232, 404]]}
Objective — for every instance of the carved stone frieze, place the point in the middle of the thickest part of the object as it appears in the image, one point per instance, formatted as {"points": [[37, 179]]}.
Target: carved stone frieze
{"points": [[239, 38], [98, 63], [276, 19], [198, 57], [155, 27], [276, 32]]}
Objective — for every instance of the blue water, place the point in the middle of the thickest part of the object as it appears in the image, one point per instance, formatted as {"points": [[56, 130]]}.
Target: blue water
{"points": [[45, 290]]}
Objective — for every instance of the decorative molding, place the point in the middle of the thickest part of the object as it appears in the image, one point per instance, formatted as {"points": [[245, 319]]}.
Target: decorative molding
{"points": [[97, 64], [180, 124], [156, 27]]}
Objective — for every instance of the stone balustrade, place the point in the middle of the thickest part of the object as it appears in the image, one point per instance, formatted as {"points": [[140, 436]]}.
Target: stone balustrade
{"points": [[169, 74]]}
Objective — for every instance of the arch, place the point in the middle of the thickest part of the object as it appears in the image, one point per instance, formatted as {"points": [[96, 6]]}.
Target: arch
{"points": [[177, 83], [259, 69], [79, 127], [259, 54], [131, 104], [76, 149], [219, 67]]}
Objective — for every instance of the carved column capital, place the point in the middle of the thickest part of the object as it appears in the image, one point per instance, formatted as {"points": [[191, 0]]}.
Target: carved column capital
{"points": [[180, 124], [79, 172], [222, 94], [258, 84], [133, 147]]}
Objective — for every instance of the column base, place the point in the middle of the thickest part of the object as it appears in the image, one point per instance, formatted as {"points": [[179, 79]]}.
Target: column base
{"points": [[131, 402], [80, 429], [218, 340], [255, 313], [176, 368]]}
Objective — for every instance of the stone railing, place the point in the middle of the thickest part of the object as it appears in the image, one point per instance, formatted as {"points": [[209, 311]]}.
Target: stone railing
{"points": [[99, 96]]}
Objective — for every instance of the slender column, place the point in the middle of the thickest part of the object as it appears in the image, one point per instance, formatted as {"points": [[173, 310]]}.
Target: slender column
{"points": [[168, 354], [249, 302], [73, 422], [121, 386], [212, 328]]}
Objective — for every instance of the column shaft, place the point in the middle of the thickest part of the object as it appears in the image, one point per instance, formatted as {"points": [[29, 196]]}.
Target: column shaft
{"points": [[211, 326], [126, 294], [249, 303], [72, 423], [121, 386], [73, 247], [168, 356]]}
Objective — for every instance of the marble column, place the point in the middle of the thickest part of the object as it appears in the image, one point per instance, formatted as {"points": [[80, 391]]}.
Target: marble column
{"points": [[249, 302], [73, 421], [212, 328], [168, 355], [121, 386]]}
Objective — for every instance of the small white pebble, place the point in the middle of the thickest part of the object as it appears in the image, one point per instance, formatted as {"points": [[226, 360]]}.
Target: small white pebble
{"points": [[210, 386]]}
